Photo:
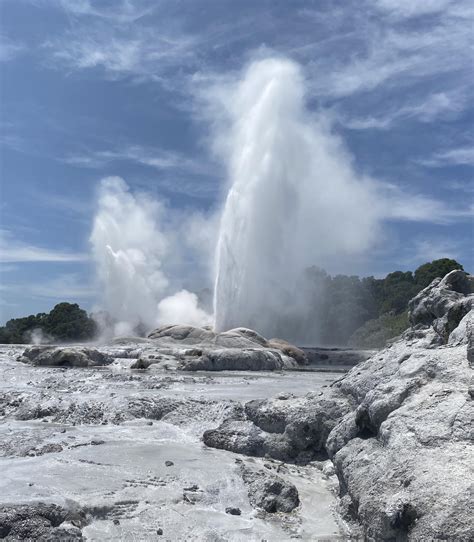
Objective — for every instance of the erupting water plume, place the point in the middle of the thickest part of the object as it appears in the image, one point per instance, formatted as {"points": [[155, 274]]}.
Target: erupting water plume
{"points": [[294, 200], [129, 244]]}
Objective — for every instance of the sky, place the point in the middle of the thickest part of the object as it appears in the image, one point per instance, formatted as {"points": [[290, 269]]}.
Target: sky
{"points": [[92, 89]]}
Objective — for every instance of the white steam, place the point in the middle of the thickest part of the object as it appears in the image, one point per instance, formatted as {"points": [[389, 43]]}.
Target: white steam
{"points": [[182, 308], [295, 199], [130, 245]]}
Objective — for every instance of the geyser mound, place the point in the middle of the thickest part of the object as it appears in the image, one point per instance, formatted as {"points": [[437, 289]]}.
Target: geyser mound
{"points": [[295, 200]]}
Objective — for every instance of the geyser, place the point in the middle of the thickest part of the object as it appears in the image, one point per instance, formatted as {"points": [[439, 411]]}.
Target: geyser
{"points": [[294, 199], [130, 244]]}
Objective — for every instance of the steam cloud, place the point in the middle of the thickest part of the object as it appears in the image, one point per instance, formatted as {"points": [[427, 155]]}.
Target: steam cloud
{"points": [[130, 243], [295, 198]]}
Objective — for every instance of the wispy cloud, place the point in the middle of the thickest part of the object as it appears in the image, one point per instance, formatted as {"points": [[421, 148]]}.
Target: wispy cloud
{"points": [[399, 205], [142, 53], [451, 157], [426, 249], [15, 251], [160, 159], [433, 106], [120, 11], [386, 47], [9, 49], [65, 286]]}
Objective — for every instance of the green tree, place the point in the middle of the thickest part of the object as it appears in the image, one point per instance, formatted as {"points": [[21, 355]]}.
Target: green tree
{"points": [[67, 321], [425, 274]]}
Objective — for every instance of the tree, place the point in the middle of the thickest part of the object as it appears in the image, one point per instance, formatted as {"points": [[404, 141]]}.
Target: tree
{"points": [[425, 274], [66, 322]]}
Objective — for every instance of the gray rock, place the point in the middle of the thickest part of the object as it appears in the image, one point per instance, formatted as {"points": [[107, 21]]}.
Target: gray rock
{"points": [[237, 359], [250, 334], [443, 303], [55, 356], [181, 333], [289, 350], [398, 426], [268, 491], [36, 521]]}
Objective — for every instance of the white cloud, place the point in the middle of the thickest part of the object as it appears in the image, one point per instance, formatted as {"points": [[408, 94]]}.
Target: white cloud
{"points": [[402, 9], [65, 286], [9, 49], [15, 251], [436, 105], [403, 206], [121, 11], [142, 53], [451, 157], [381, 54], [427, 249], [156, 158]]}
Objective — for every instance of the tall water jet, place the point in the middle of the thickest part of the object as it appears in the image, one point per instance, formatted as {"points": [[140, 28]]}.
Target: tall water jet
{"points": [[294, 199]]}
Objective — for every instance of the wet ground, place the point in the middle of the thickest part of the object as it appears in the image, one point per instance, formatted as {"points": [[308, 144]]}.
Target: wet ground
{"points": [[126, 445]]}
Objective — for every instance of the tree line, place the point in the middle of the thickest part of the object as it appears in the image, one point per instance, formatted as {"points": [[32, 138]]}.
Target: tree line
{"points": [[338, 310]]}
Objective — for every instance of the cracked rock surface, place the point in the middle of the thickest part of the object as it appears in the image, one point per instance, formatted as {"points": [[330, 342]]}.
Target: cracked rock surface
{"points": [[398, 426]]}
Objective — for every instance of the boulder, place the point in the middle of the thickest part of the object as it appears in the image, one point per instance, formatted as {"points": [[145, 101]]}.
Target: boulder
{"points": [[268, 491], [239, 359], [289, 350], [37, 521], [56, 356]]}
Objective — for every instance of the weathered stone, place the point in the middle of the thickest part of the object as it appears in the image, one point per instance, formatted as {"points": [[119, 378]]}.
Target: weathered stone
{"points": [[269, 491], [55, 356], [36, 521], [443, 303], [238, 359], [289, 350]]}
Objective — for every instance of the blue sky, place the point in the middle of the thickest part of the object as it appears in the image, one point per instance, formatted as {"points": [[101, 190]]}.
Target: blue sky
{"points": [[97, 88]]}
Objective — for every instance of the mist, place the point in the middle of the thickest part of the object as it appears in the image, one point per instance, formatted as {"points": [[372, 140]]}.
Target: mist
{"points": [[292, 199], [295, 199], [132, 239]]}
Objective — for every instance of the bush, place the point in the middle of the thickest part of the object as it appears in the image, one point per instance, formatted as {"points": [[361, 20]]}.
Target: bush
{"points": [[375, 333]]}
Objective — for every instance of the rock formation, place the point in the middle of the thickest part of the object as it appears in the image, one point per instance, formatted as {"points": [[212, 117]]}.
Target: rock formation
{"points": [[190, 348], [398, 426], [54, 356]]}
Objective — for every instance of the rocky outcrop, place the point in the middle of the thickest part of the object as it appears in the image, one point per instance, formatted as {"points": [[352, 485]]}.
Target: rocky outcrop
{"points": [[443, 303], [189, 348], [398, 426], [269, 492], [37, 521], [54, 356], [240, 359]]}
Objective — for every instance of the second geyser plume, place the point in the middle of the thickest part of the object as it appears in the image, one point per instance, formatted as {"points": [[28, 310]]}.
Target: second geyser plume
{"points": [[294, 198], [131, 243]]}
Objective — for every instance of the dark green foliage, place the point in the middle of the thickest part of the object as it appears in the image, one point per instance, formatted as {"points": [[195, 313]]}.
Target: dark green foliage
{"points": [[376, 332], [437, 268], [66, 322], [343, 305]]}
